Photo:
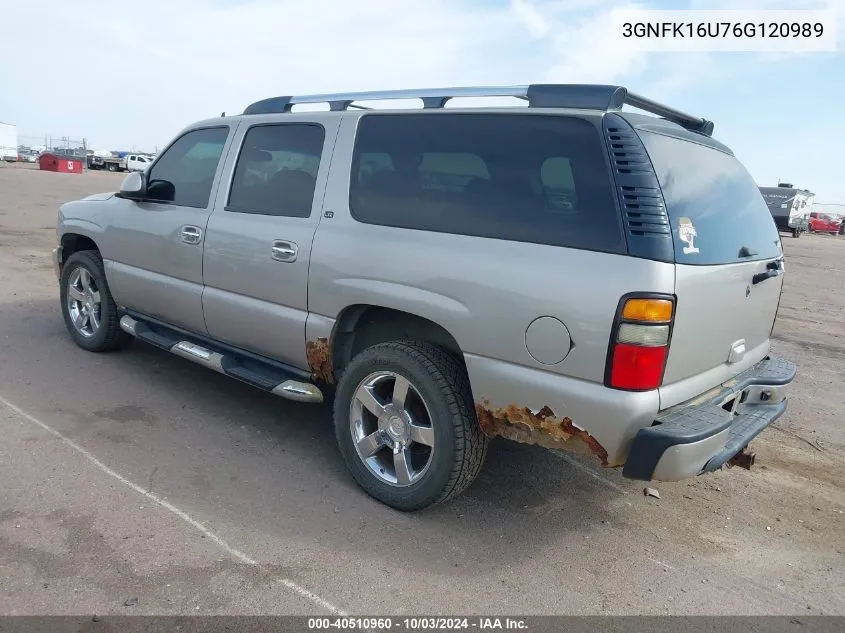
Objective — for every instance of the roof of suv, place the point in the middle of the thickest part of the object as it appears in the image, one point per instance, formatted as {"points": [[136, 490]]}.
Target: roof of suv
{"points": [[595, 98]]}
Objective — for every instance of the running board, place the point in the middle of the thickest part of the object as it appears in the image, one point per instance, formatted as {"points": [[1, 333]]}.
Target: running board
{"points": [[267, 377]]}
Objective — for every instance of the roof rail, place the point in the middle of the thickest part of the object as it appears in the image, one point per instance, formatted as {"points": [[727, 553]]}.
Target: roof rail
{"points": [[584, 96]]}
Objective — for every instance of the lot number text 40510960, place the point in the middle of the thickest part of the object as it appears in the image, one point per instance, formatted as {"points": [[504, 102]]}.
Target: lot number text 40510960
{"points": [[416, 623]]}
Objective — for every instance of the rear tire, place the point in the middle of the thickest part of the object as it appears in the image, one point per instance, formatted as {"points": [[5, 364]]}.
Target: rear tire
{"points": [[443, 454], [88, 308]]}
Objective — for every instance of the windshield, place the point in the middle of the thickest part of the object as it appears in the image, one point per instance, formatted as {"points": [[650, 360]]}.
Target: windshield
{"points": [[716, 210]]}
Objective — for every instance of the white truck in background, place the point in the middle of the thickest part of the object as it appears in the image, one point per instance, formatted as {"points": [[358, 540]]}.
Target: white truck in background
{"points": [[138, 162], [129, 162], [8, 142]]}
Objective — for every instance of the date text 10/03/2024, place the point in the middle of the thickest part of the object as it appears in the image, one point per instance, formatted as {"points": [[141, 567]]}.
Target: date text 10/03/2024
{"points": [[417, 623]]}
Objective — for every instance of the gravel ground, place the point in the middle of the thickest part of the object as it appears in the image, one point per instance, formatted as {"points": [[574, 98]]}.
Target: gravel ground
{"points": [[137, 482]]}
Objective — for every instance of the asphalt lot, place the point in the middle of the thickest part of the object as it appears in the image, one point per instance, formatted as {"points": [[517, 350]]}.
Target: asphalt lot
{"points": [[137, 482]]}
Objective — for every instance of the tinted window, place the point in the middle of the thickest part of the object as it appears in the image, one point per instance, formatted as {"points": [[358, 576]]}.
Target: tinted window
{"points": [[277, 169], [710, 192], [530, 178], [185, 172]]}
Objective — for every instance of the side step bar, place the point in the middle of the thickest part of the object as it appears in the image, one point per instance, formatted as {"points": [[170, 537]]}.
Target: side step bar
{"points": [[252, 371]]}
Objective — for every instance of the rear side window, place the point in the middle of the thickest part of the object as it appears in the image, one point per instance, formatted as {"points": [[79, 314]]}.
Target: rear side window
{"points": [[528, 178], [716, 210], [185, 172], [276, 172]]}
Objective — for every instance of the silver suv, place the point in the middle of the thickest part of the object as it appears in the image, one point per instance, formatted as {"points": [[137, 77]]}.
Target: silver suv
{"points": [[566, 274]]}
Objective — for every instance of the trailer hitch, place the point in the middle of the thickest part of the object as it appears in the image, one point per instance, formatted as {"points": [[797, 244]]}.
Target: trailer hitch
{"points": [[742, 459]]}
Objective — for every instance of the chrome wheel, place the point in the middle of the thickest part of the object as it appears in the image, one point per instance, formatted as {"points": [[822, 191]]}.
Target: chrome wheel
{"points": [[391, 428], [83, 302]]}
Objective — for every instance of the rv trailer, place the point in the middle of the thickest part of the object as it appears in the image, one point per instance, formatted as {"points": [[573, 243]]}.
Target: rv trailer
{"points": [[790, 207]]}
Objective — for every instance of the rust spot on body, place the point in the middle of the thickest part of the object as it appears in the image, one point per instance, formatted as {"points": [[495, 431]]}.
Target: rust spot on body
{"points": [[319, 356], [542, 428]]}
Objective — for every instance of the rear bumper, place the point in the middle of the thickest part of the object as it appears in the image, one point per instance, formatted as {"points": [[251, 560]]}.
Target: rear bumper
{"points": [[701, 435]]}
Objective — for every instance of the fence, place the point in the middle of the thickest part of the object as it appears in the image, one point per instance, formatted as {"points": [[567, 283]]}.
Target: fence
{"points": [[30, 145], [64, 145]]}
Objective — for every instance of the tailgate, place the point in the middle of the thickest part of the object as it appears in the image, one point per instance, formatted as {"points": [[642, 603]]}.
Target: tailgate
{"points": [[723, 319], [728, 265]]}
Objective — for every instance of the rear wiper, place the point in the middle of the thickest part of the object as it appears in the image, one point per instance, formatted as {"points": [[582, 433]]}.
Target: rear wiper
{"points": [[747, 252]]}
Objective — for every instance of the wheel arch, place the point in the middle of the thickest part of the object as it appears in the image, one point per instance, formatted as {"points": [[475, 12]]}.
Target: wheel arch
{"points": [[73, 242], [362, 325]]}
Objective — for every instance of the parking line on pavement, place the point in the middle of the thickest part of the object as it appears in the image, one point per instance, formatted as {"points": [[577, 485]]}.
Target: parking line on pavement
{"points": [[235, 553]]}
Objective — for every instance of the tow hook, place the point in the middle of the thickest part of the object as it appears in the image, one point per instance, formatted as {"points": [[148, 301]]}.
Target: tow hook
{"points": [[743, 460]]}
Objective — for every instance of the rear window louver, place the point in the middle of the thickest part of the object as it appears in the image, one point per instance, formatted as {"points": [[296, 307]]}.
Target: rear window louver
{"points": [[645, 211], [644, 215], [627, 153]]}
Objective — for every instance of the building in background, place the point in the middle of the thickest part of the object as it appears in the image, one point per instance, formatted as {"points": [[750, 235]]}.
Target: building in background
{"points": [[8, 142]]}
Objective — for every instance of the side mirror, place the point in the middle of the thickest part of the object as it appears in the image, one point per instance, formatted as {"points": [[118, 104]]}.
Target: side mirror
{"points": [[134, 186]]}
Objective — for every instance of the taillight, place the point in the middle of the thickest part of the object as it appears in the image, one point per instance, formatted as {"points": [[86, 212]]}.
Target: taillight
{"points": [[639, 342]]}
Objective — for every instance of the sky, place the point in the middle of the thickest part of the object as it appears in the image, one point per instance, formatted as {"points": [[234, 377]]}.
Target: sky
{"points": [[129, 75]]}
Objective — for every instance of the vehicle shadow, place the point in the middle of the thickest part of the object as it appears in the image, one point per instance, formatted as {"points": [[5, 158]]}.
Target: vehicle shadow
{"points": [[271, 466]]}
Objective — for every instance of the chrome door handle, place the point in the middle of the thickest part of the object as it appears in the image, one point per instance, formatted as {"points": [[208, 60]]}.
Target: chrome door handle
{"points": [[191, 234], [283, 251]]}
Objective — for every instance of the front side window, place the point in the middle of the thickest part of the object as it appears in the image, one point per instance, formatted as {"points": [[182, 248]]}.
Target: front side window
{"points": [[185, 172], [276, 172], [521, 177]]}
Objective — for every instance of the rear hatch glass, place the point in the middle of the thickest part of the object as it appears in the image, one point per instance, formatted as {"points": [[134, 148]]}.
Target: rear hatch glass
{"points": [[713, 191], [723, 236]]}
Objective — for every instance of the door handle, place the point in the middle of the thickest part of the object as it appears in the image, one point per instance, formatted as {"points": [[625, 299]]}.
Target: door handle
{"points": [[284, 251], [191, 234], [761, 277]]}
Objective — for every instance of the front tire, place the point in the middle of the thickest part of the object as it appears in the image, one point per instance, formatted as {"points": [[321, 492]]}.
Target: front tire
{"points": [[406, 426], [89, 311]]}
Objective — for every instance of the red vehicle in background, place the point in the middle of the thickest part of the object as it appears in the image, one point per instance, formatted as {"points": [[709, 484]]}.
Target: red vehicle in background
{"points": [[824, 223]]}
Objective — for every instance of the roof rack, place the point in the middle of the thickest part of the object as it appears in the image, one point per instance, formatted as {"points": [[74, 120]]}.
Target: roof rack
{"points": [[583, 96]]}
